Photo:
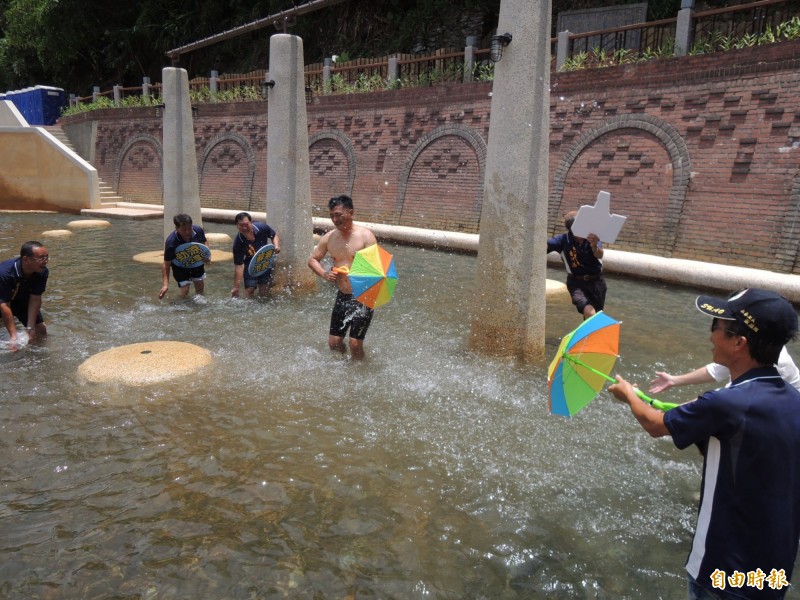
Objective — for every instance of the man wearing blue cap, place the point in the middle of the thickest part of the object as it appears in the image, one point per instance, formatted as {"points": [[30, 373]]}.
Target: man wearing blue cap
{"points": [[748, 524]]}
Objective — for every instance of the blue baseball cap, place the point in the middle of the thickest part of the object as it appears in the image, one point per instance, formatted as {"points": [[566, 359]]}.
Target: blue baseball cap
{"points": [[768, 315]]}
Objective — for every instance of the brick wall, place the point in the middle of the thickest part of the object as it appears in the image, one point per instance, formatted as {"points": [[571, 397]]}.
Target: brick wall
{"points": [[702, 154]]}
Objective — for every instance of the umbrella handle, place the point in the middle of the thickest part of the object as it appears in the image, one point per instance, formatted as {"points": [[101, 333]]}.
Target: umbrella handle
{"points": [[343, 270], [657, 404]]}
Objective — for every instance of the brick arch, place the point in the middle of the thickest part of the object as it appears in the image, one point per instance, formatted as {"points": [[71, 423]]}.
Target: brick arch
{"points": [[232, 194], [678, 154], [143, 180], [790, 233], [473, 140], [327, 177]]}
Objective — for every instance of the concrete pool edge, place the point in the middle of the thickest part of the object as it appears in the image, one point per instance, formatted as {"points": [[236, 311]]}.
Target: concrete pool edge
{"points": [[678, 271]]}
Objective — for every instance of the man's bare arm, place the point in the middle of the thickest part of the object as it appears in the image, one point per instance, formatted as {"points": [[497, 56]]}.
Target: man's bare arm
{"points": [[319, 252]]}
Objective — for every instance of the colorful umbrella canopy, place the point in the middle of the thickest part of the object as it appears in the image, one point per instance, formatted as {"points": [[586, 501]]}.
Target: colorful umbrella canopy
{"points": [[582, 365], [373, 276], [584, 359]]}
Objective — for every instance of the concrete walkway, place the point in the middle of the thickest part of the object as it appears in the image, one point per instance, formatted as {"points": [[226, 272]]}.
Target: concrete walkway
{"points": [[717, 277]]}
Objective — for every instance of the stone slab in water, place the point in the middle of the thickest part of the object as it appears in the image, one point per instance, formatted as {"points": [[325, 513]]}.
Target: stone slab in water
{"points": [[144, 363], [157, 256], [217, 237], [88, 224]]}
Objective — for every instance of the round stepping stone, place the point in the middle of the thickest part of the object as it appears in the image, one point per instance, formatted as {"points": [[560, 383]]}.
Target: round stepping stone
{"points": [[218, 237], [151, 256], [556, 290], [56, 233], [88, 224], [157, 256], [144, 363]]}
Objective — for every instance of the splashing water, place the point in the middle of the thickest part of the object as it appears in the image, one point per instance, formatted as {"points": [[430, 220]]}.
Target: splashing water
{"points": [[285, 470]]}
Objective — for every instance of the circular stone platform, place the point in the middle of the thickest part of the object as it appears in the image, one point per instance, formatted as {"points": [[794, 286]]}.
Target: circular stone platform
{"points": [[88, 224], [556, 290], [157, 256], [218, 237], [145, 363], [56, 233]]}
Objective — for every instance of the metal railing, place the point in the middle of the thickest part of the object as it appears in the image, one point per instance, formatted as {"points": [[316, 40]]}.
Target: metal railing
{"points": [[441, 66], [739, 21], [722, 24], [638, 38]]}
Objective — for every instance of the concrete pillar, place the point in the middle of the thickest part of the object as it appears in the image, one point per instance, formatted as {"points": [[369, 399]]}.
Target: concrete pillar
{"points": [[684, 28], [146, 87], [288, 177], [117, 94], [469, 58], [212, 85], [95, 93], [562, 48], [509, 302], [181, 185]]}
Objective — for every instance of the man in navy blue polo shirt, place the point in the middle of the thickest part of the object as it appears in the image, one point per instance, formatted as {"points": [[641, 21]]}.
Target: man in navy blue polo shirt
{"points": [[184, 233], [22, 283], [583, 259], [251, 238], [748, 524]]}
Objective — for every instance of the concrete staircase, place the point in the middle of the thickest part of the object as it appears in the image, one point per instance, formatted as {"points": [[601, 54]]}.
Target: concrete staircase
{"points": [[108, 195]]}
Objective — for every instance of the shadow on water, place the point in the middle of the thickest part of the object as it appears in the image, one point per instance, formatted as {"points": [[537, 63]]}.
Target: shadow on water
{"points": [[286, 471]]}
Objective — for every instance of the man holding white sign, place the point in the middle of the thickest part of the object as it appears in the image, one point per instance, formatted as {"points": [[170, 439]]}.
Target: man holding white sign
{"points": [[581, 250], [582, 258]]}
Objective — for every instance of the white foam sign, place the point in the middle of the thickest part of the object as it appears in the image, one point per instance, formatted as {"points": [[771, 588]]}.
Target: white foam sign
{"points": [[598, 220]]}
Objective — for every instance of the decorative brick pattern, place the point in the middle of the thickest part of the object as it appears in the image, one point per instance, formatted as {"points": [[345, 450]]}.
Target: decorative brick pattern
{"points": [[226, 172], [138, 170], [441, 184], [643, 163], [332, 159]]}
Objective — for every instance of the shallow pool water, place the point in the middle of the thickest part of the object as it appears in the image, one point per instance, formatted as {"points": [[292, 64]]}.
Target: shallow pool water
{"points": [[286, 471]]}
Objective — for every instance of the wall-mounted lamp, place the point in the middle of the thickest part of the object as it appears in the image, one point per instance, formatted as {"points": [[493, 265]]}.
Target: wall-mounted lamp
{"points": [[498, 43], [264, 86]]}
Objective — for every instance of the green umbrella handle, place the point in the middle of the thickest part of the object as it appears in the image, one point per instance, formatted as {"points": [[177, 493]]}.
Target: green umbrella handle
{"points": [[657, 404]]}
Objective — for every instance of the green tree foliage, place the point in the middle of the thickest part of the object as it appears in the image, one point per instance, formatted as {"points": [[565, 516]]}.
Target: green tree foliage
{"points": [[76, 44]]}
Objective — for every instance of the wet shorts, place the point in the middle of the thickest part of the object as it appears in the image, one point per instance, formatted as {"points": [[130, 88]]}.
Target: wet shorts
{"points": [[591, 292], [349, 313], [187, 276], [264, 279], [20, 310]]}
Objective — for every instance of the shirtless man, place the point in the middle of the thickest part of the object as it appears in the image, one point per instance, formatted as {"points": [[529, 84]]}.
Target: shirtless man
{"points": [[342, 244]]}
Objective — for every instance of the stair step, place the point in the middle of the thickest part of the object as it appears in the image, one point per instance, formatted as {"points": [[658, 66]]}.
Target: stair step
{"points": [[108, 195]]}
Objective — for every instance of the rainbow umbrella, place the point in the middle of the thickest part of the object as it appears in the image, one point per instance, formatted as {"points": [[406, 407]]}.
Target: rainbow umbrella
{"points": [[372, 275], [581, 366]]}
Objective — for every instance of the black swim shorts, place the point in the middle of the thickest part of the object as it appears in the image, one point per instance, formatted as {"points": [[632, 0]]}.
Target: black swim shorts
{"points": [[349, 313]]}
